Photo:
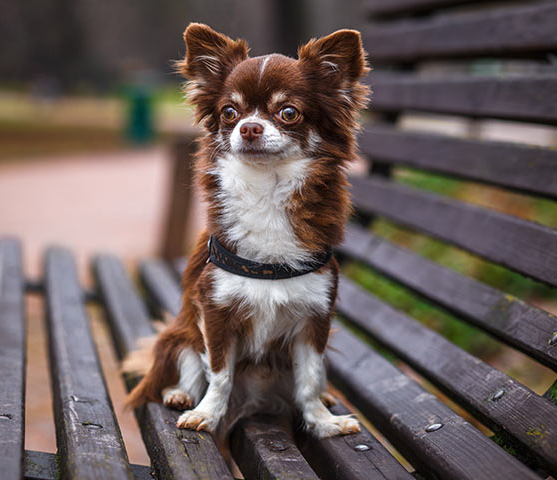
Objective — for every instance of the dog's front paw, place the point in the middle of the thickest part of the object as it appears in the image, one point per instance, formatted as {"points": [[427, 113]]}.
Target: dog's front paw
{"points": [[335, 425], [176, 399], [194, 420]]}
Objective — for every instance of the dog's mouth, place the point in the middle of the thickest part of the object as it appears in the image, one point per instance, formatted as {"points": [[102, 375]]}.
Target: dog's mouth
{"points": [[258, 151]]}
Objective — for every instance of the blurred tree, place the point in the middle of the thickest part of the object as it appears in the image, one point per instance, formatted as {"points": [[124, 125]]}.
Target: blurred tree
{"points": [[96, 42]]}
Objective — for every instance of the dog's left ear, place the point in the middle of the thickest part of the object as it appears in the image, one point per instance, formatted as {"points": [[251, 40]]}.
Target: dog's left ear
{"points": [[338, 56]]}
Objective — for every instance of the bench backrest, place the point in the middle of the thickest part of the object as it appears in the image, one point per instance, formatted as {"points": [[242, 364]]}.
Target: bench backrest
{"points": [[481, 63]]}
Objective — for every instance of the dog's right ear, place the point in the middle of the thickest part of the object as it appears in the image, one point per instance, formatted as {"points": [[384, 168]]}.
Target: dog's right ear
{"points": [[210, 56]]}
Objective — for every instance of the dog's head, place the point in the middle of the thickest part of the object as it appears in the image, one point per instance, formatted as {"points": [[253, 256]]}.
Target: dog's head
{"points": [[267, 108]]}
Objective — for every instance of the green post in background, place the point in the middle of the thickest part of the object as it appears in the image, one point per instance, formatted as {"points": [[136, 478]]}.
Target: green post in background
{"points": [[139, 127]]}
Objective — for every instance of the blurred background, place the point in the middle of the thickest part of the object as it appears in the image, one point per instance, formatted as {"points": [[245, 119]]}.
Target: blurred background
{"points": [[91, 121]]}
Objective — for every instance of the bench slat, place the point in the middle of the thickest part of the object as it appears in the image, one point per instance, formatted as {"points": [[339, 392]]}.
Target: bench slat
{"points": [[402, 410], [263, 449], [153, 275], [12, 359], [87, 433], [483, 33], [472, 382], [357, 456], [524, 246], [44, 466], [174, 453], [508, 318], [511, 97], [160, 281], [521, 167], [402, 7]]}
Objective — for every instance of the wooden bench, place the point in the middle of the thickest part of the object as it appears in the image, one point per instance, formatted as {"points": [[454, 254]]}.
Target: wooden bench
{"points": [[438, 442]]}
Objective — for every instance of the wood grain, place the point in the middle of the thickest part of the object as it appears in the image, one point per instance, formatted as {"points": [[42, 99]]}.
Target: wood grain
{"points": [[505, 31], [517, 97], [44, 466], [174, 453], [358, 456], [402, 411], [87, 434], [465, 378], [508, 318], [12, 360], [264, 450], [524, 246], [524, 168]]}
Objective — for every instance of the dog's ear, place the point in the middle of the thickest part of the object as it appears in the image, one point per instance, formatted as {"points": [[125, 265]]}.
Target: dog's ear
{"points": [[210, 55], [338, 56]]}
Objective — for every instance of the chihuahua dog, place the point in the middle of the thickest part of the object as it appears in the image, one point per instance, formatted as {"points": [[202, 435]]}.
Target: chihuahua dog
{"points": [[260, 285]]}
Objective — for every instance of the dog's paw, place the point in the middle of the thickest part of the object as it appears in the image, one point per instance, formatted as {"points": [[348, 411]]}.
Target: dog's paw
{"points": [[335, 425], [194, 420], [328, 399], [176, 399]]}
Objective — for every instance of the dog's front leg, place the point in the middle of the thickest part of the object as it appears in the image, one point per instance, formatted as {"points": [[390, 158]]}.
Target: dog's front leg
{"points": [[309, 372], [213, 406]]}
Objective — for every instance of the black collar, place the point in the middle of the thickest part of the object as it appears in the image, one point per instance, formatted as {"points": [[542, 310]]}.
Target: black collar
{"points": [[232, 263]]}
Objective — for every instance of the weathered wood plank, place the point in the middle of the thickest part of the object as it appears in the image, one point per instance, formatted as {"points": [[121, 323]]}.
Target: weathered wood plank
{"points": [[472, 382], [503, 31], [524, 246], [159, 279], [174, 453], [40, 466], [522, 167], [87, 433], [403, 411], [406, 7], [44, 466], [250, 431], [508, 318], [519, 97], [12, 360], [357, 456], [263, 450]]}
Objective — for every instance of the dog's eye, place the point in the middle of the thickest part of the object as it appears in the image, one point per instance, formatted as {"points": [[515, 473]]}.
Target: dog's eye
{"points": [[289, 114], [229, 114]]}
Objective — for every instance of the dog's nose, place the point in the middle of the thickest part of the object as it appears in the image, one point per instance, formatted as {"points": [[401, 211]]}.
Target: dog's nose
{"points": [[251, 131]]}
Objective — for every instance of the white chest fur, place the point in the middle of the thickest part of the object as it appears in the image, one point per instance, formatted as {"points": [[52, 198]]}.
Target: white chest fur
{"points": [[254, 201], [278, 309]]}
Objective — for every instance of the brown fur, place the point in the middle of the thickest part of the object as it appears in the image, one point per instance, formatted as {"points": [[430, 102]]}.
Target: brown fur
{"points": [[329, 99], [183, 331]]}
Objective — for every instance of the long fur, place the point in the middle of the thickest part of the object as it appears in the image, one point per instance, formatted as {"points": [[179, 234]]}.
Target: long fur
{"points": [[242, 345]]}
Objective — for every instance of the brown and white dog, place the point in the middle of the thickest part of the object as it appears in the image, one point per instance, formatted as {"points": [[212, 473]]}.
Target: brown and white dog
{"points": [[280, 133]]}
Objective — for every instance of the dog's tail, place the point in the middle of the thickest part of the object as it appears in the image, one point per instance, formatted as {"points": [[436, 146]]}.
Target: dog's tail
{"points": [[158, 371], [138, 363]]}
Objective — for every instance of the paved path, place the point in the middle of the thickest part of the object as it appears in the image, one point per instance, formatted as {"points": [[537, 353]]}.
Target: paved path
{"points": [[94, 202]]}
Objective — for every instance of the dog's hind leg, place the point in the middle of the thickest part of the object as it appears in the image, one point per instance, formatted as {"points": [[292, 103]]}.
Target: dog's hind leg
{"points": [[191, 383]]}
